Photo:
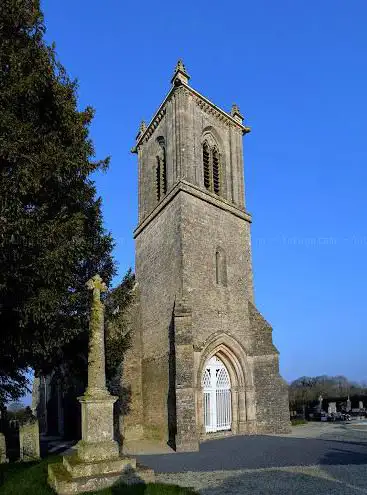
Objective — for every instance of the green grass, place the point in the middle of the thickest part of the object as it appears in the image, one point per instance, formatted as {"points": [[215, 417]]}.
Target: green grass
{"points": [[299, 421], [30, 478], [25, 478]]}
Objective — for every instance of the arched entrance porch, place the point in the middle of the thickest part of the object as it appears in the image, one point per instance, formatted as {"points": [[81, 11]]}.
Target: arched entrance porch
{"points": [[217, 396], [234, 394]]}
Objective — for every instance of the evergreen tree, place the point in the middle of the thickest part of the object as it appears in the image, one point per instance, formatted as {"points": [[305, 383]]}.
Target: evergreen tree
{"points": [[52, 238], [118, 324]]}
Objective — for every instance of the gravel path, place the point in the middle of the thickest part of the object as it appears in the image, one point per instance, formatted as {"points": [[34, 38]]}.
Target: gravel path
{"points": [[326, 459], [298, 480]]}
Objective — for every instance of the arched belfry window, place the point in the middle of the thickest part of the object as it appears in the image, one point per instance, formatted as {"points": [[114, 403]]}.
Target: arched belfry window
{"points": [[220, 267], [161, 169], [211, 168]]}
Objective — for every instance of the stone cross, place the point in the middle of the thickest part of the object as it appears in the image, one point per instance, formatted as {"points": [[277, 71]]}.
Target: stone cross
{"points": [[97, 285], [96, 462], [96, 355]]}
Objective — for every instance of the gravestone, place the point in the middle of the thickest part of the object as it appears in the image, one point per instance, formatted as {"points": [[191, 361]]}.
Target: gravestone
{"points": [[96, 462], [319, 409], [29, 441], [3, 457], [349, 405], [360, 405], [331, 408]]}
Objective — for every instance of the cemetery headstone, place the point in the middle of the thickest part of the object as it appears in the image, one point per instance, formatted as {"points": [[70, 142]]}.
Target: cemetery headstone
{"points": [[320, 404], [3, 457], [29, 440]]}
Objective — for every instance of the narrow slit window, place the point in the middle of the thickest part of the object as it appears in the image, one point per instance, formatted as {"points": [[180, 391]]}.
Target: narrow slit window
{"points": [[220, 267]]}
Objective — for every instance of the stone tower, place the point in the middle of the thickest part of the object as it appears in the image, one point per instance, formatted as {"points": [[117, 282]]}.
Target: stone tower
{"points": [[202, 360]]}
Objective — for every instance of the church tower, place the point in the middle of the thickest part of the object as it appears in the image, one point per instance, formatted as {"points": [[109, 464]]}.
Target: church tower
{"points": [[202, 360]]}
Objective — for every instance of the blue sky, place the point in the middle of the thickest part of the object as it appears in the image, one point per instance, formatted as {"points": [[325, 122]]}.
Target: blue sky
{"points": [[298, 71]]}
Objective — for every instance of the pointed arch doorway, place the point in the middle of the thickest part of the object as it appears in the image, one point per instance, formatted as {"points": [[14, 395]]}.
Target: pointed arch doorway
{"points": [[217, 396]]}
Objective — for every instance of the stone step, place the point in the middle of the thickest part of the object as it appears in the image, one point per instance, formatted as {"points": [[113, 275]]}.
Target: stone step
{"points": [[78, 468], [60, 479]]}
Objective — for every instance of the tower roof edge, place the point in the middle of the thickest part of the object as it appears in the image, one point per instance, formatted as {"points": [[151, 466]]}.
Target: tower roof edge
{"points": [[236, 119]]}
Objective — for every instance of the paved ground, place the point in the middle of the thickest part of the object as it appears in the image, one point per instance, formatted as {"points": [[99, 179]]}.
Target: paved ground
{"points": [[313, 459]]}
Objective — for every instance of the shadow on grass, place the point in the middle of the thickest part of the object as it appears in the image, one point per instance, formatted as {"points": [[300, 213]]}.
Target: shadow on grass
{"points": [[30, 478], [150, 489]]}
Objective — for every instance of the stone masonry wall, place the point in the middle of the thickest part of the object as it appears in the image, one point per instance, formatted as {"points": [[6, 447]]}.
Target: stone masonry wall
{"points": [[131, 419], [184, 123], [216, 308], [261, 333], [158, 273], [272, 406]]}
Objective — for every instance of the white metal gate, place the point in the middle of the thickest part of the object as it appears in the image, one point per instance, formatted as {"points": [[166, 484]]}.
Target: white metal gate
{"points": [[217, 396]]}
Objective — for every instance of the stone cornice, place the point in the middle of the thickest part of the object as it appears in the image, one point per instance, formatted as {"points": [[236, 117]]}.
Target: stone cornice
{"points": [[195, 191], [201, 101], [204, 102]]}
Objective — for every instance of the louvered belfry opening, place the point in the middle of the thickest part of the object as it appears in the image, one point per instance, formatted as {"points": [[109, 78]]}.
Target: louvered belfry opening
{"points": [[164, 173], [161, 169], [206, 166], [216, 172], [211, 168], [158, 178]]}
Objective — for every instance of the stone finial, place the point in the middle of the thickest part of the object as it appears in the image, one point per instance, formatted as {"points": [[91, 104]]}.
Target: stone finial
{"points": [[235, 109], [143, 127], [236, 114], [180, 66], [180, 75]]}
